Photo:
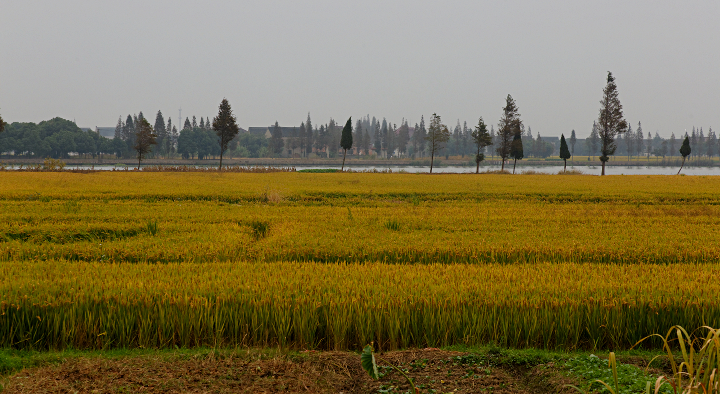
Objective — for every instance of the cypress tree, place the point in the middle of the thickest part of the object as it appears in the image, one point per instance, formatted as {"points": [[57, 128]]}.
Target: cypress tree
{"points": [[346, 141], [377, 140], [510, 125], [308, 136], [573, 140], [168, 137], [160, 129], [119, 128], [610, 121], [516, 148], [422, 135], [672, 144], [403, 137], [225, 127], [639, 140], [684, 151], [481, 138], [564, 151], [438, 135]]}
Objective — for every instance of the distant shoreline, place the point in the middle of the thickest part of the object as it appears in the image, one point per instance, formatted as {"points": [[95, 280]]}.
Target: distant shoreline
{"points": [[351, 162]]}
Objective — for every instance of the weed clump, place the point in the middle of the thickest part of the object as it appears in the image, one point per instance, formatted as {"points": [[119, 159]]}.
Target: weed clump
{"points": [[392, 225], [259, 229]]}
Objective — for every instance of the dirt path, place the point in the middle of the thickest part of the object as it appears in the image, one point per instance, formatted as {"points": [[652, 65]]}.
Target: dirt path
{"points": [[434, 371]]}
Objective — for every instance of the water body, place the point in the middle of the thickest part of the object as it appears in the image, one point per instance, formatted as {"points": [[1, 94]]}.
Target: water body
{"points": [[589, 170]]}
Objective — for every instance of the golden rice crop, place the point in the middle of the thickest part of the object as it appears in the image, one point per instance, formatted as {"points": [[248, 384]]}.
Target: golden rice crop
{"points": [[58, 304], [131, 259], [495, 231]]}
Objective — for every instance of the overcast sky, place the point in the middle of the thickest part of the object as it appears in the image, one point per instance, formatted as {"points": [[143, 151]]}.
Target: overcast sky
{"points": [[93, 61]]}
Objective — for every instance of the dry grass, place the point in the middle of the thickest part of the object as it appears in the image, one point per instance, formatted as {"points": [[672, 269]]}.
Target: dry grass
{"points": [[571, 172]]}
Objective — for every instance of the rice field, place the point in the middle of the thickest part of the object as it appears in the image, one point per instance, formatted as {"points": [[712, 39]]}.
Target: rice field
{"points": [[334, 261]]}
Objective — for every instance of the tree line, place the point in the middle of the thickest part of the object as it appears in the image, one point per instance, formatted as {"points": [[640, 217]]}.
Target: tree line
{"points": [[135, 137]]}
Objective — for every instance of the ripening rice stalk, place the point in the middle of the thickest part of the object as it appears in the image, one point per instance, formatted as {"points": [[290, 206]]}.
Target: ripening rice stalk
{"points": [[59, 304]]}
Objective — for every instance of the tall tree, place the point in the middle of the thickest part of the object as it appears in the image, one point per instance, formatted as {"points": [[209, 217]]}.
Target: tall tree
{"points": [[639, 140], [466, 138], [493, 138], [438, 135], [294, 141], [308, 136], [700, 143], [684, 151], [187, 125], [573, 140], [159, 129], [119, 128], [630, 141], [276, 140], [593, 141], [564, 151], [672, 145], [649, 145], [403, 137], [657, 144], [301, 139], [481, 138], [711, 144], [202, 123], [510, 124], [366, 142], [144, 139], [225, 126], [129, 129], [610, 120], [175, 136], [516, 148], [358, 136], [391, 140], [346, 141], [377, 140], [422, 136], [168, 138], [457, 137], [2, 124]]}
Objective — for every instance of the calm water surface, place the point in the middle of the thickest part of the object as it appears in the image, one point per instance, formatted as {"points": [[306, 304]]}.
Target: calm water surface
{"points": [[590, 170]]}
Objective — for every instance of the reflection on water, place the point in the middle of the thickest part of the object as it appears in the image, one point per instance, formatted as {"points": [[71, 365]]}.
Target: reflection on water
{"points": [[589, 170]]}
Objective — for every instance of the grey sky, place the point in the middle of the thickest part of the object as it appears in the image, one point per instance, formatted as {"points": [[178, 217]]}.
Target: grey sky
{"points": [[277, 60]]}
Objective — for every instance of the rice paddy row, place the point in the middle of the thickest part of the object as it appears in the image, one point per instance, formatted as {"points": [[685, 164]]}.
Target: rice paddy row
{"points": [[333, 261]]}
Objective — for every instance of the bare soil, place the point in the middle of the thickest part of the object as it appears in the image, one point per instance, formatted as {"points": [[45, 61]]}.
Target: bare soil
{"points": [[434, 371]]}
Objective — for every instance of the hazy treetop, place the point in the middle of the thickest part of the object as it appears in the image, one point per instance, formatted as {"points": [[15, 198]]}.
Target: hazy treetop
{"points": [[276, 60]]}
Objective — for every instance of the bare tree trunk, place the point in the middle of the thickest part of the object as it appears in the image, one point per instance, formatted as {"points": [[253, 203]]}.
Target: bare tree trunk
{"points": [[603, 169], [681, 165], [514, 164], [503, 165], [477, 163], [565, 167], [432, 157], [221, 155], [343, 165]]}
